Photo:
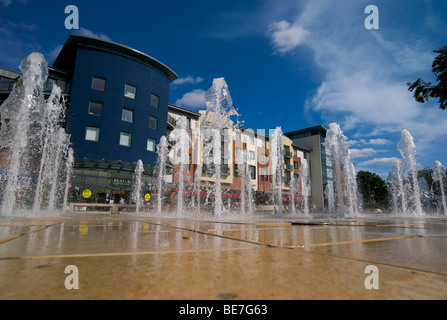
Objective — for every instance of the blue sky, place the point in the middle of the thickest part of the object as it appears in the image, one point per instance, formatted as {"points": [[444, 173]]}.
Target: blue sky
{"points": [[293, 64]]}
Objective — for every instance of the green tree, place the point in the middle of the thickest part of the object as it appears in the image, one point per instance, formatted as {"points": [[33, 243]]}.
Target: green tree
{"points": [[373, 189], [424, 90]]}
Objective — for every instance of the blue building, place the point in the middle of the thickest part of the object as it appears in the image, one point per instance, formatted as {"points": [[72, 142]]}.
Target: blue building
{"points": [[117, 110], [116, 114], [118, 103]]}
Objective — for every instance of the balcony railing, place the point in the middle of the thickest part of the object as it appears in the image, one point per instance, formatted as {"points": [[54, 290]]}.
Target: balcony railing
{"points": [[211, 169]]}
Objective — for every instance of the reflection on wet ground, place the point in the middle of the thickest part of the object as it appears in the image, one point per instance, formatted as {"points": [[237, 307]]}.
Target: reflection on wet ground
{"points": [[138, 257]]}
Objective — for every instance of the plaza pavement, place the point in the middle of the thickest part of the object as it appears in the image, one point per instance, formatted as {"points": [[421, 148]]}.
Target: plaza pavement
{"points": [[192, 258]]}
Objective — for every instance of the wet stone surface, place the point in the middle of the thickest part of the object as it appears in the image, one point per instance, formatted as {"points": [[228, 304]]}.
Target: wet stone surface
{"points": [[142, 257]]}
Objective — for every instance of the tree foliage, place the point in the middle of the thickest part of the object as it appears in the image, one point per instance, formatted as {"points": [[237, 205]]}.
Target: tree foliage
{"points": [[424, 90], [373, 189]]}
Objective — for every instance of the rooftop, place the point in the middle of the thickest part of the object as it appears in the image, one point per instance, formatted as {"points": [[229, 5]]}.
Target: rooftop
{"points": [[67, 54]]}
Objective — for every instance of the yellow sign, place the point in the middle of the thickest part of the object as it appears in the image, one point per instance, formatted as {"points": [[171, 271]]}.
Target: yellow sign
{"points": [[86, 193], [147, 197]]}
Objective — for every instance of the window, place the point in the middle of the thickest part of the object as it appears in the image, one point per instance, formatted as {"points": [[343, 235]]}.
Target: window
{"points": [[252, 155], [127, 115], [264, 157], [264, 174], [155, 100], [50, 84], [92, 134], [125, 139], [238, 136], [98, 83], [130, 91], [95, 108], [5, 84], [252, 172], [153, 123], [295, 165], [237, 151], [151, 145], [252, 140]]}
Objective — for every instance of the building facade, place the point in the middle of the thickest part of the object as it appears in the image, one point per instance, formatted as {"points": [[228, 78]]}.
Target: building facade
{"points": [[118, 110], [235, 142], [320, 162]]}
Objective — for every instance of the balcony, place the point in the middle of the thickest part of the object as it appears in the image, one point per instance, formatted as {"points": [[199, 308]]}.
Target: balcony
{"points": [[287, 154], [211, 169]]}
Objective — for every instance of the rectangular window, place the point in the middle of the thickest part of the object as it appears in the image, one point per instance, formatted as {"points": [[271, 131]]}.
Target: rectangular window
{"points": [[252, 140], [127, 115], [50, 83], [153, 123], [95, 108], [264, 157], [295, 165], [238, 136], [151, 145], [130, 91], [252, 172], [92, 134], [264, 174], [155, 100], [98, 83], [125, 139], [237, 151], [252, 155]]}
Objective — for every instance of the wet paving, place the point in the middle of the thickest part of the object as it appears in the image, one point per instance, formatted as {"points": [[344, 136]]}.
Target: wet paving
{"points": [[146, 257]]}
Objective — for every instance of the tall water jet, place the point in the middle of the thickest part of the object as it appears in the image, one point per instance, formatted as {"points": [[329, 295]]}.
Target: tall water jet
{"points": [[196, 187], [139, 169], [21, 116], [277, 166], [439, 175], [32, 135], [162, 152], [304, 181], [407, 149], [345, 177], [294, 191], [396, 187], [68, 173], [248, 188], [241, 163], [219, 110], [329, 194], [182, 140]]}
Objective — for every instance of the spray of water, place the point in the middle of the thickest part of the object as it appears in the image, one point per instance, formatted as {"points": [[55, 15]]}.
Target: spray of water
{"points": [[345, 177], [139, 169], [36, 143]]}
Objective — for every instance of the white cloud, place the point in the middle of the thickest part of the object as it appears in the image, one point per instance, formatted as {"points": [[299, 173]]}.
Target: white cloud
{"points": [[188, 79], [364, 76], [193, 100], [379, 161], [362, 153], [286, 36], [380, 141], [86, 32]]}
